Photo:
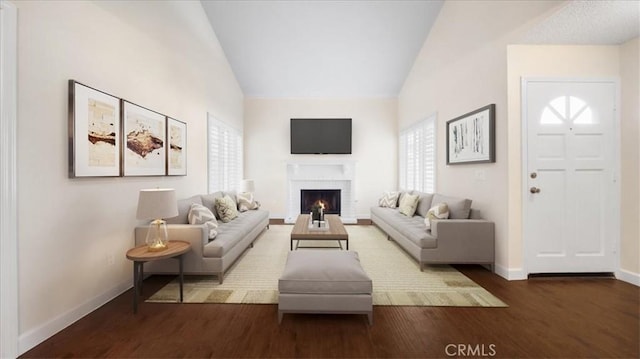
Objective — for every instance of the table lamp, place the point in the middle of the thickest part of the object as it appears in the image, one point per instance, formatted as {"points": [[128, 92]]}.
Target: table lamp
{"points": [[247, 185], [156, 204]]}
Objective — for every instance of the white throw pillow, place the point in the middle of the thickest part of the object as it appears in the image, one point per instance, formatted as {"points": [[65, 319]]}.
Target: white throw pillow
{"points": [[246, 202], [389, 199], [439, 211], [408, 204], [199, 214], [226, 208]]}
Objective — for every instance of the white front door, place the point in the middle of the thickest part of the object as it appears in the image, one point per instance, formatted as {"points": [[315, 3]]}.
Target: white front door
{"points": [[570, 198]]}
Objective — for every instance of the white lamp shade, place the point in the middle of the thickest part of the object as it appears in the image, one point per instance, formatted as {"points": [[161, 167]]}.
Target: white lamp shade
{"points": [[157, 203], [247, 185]]}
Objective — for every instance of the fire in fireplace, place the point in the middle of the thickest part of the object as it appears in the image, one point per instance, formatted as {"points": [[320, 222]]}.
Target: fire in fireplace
{"points": [[329, 197]]}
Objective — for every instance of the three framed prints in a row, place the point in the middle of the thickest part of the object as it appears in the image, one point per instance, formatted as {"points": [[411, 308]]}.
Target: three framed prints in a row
{"points": [[112, 137]]}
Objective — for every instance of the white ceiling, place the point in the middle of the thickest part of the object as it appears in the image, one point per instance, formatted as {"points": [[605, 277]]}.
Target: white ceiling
{"points": [[603, 22], [353, 48], [321, 48]]}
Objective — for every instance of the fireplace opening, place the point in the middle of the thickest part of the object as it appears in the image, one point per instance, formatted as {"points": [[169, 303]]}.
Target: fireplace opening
{"points": [[329, 197]]}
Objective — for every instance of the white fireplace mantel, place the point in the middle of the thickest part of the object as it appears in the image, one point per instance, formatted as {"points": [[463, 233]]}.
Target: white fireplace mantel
{"points": [[335, 174]]}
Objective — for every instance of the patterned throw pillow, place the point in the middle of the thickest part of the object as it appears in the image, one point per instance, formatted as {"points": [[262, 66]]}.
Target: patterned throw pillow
{"points": [[199, 214], [246, 202], [389, 199], [439, 211], [226, 209], [408, 204]]}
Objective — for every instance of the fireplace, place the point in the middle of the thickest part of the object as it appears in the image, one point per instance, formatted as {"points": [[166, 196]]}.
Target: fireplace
{"points": [[329, 197]]}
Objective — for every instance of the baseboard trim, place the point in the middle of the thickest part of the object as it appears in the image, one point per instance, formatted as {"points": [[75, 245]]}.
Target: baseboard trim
{"points": [[510, 273], [628, 276], [37, 335]]}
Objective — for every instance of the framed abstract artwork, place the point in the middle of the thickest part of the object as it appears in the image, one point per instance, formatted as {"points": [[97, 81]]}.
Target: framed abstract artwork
{"points": [[144, 141], [471, 137], [177, 155], [94, 132]]}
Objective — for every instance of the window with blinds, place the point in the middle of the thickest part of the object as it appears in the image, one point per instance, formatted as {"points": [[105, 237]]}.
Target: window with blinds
{"points": [[418, 156], [224, 155]]}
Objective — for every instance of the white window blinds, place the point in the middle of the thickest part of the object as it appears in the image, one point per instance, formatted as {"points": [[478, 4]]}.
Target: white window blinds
{"points": [[418, 156], [224, 156]]}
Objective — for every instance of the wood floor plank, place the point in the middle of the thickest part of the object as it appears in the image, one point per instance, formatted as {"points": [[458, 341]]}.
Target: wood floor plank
{"points": [[576, 317]]}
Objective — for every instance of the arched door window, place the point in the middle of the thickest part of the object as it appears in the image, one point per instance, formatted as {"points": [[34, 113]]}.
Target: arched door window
{"points": [[567, 109]]}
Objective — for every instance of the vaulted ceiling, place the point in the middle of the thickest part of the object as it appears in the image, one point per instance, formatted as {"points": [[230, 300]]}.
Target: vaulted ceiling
{"points": [[321, 48], [367, 48]]}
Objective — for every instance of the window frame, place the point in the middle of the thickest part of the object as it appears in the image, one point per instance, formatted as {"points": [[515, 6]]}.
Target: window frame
{"points": [[417, 154], [224, 155]]}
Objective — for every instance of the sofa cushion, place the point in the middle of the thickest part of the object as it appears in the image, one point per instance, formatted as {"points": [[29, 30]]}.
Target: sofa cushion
{"points": [[325, 272], [424, 203], [389, 200], [199, 214], [231, 233], [246, 202], [226, 209], [439, 211], [184, 206], [411, 227], [408, 204], [459, 208]]}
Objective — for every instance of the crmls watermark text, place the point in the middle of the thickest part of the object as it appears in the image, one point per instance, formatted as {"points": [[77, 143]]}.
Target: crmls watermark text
{"points": [[470, 350]]}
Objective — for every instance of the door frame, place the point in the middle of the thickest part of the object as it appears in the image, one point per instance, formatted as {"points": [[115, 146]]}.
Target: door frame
{"points": [[9, 309], [616, 135]]}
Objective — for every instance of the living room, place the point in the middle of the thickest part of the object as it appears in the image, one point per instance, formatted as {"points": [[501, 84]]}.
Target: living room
{"points": [[71, 235]]}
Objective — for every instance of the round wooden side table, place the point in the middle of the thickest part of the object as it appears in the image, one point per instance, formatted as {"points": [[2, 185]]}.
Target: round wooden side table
{"points": [[141, 254]]}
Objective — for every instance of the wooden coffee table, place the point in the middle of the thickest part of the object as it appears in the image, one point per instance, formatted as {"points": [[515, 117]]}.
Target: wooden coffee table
{"points": [[141, 254], [335, 232]]}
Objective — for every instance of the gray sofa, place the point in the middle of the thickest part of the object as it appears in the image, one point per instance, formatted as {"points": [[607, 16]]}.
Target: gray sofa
{"points": [[463, 238], [208, 256]]}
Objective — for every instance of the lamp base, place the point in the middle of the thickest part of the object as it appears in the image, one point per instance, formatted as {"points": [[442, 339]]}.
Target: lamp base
{"points": [[157, 247], [157, 236]]}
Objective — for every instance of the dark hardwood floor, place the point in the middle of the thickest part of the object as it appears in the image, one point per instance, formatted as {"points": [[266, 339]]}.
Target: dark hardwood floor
{"points": [[561, 318]]}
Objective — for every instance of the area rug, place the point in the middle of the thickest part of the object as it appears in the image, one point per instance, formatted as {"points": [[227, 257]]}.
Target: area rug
{"points": [[397, 279]]}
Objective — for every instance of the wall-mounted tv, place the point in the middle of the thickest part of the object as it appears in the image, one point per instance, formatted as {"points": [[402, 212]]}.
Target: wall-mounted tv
{"points": [[320, 136]]}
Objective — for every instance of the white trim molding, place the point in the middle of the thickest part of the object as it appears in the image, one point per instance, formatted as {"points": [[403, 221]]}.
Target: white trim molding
{"points": [[37, 335], [10, 323], [628, 276], [510, 273]]}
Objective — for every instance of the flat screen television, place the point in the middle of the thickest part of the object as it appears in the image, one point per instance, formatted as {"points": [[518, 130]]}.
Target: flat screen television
{"points": [[320, 136]]}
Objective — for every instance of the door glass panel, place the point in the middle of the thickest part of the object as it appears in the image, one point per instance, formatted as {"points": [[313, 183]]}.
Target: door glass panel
{"points": [[567, 108], [550, 117]]}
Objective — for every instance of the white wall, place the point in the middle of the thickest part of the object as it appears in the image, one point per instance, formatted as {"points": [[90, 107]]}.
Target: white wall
{"points": [[161, 55], [374, 147], [630, 161], [460, 68]]}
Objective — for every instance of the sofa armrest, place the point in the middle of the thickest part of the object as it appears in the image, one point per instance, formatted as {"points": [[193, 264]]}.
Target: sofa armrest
{"points": [[196, 234], [467, 238]]}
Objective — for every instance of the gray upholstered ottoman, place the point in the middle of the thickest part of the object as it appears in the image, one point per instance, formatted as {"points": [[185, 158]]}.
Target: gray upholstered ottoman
{"points": [[324, 281]]}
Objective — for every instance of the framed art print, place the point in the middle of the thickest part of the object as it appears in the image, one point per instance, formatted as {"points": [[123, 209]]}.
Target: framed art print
{"points": [[471, 137], [145, 145], [94, 132], [177, 156]]}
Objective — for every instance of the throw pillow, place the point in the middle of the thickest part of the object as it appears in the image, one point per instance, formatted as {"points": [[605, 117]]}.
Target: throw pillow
{"points": [[246, 202], [439, 211], [408, 204], [226, 209], [199, 214], [389, 199]]}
